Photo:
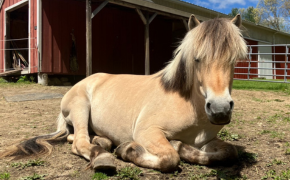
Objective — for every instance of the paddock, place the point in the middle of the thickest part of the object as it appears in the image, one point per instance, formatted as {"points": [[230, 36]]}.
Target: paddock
{"points": [[259, 129]]}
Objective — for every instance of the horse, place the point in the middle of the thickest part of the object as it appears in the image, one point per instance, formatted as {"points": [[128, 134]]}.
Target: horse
{"points": [[154, 120]]}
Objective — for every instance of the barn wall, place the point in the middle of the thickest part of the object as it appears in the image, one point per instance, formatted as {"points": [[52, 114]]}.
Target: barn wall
{"points": [[33, 22], [245, 63], [281, 49], [118, 39]]}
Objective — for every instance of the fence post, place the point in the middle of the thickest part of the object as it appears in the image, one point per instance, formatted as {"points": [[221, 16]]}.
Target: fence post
{"points": [[249, 67], [286, 64]]}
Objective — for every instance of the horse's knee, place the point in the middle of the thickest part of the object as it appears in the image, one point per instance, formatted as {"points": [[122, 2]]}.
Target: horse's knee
{"points": [[166, 160]]}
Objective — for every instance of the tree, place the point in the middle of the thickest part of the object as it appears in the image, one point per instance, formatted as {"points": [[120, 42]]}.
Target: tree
{"points": [[246, 14], [234, 12], [286, 8], [273, 13]]}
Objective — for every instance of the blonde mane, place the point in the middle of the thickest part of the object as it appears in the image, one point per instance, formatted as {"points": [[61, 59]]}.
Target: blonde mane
{"points": [[214, 40]]}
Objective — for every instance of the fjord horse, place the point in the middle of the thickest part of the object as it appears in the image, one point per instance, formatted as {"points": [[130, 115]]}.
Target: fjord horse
{"points": [[158, 119]]}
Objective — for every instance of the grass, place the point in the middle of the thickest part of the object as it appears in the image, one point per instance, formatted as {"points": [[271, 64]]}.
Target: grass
{"points": [[275, 162], [212, 173], [99, 176], [287, 152], [21, 83], [35, 176], [246, 156], [30, 163], [227, 136], [277, 176], [266, 86], [5, 175], [129, 173], [274, 134]]}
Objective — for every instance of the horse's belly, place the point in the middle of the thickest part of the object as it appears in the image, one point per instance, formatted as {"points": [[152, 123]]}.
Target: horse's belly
{"points": [[117, 129]]}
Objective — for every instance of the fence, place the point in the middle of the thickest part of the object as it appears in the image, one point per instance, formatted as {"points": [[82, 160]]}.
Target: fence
{"points": [[267, 63], [17, 58]]}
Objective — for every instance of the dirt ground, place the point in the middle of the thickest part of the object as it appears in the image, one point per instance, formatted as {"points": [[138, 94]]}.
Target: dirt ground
{"points": [[260, 129]]}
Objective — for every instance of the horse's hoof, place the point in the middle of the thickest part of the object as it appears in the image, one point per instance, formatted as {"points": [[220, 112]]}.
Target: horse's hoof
{"points": [[104, 162]]}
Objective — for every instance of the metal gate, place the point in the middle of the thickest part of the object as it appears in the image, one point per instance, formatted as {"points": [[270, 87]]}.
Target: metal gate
{"points": [[267, 63]]}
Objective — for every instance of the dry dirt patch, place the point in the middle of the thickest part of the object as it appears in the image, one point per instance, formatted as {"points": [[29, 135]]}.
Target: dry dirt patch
{"points": [[260, 129]]}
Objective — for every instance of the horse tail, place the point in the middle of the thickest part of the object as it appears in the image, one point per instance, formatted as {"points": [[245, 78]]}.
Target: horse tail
{"points": [[40, 145]]}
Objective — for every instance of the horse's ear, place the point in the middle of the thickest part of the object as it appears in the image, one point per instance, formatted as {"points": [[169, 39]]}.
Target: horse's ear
{"points": [[237, 20], [193, 22]]}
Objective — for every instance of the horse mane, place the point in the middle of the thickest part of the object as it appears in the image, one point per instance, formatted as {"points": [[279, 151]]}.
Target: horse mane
{"points": [[214, 40]]}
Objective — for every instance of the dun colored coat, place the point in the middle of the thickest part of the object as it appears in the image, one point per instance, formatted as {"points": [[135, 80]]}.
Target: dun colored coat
{"points": [[155, 120]]}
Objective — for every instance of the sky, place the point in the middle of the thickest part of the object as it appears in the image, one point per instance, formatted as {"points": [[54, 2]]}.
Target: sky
{"points": [[224, 6]]}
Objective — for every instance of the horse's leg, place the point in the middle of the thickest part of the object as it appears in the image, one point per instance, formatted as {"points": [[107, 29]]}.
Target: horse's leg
{"points": [[99, 158], [216, 152], [104, 142], [150, 149]]}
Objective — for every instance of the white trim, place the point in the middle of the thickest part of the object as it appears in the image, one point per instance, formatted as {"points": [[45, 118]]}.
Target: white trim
{"points": [[4, 41], [261, 57], [16, 5], [257, 40], [39, 33], [29, 35], [12, 8]]}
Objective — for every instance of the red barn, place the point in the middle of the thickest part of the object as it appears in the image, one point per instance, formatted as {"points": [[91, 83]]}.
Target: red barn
{"points": [[49, 36]]}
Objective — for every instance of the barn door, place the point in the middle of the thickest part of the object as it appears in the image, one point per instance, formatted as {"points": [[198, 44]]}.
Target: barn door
{"points": [[265, 61]]}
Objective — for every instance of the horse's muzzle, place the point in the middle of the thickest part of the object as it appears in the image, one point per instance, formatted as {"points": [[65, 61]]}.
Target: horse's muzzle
{"points": [[219, 113]]}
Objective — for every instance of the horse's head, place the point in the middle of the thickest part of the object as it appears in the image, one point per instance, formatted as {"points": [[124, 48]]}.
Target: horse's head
{"points": [[218, 44]]}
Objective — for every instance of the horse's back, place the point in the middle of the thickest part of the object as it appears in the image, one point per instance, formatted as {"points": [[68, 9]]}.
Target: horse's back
{"points": [[115, 102]]}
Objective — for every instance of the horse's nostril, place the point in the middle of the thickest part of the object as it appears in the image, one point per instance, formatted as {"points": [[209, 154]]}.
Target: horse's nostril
{"points": [[232, 105], [208, 105]]}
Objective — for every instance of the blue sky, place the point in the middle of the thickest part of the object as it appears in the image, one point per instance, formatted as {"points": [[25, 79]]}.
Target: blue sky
{"points": [[224, 6]]}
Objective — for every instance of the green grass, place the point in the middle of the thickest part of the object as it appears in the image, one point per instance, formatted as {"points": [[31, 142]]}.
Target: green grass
{"points": [[35, 176], [129, 173], [36, 162], [267, 86], [277, 176], [5, 175], [247, 156], [99, 176], [227, 136], [287, 152], [22, 82]]}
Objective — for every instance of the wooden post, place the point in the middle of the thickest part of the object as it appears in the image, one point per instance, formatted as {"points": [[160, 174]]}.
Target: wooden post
{"points": [[99, 8], [146, 22], [88, 38], [147, 53], [185, 24]]}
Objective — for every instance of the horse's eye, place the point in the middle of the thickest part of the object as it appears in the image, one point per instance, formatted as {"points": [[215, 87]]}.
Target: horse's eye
{"points": [[196, 60]]}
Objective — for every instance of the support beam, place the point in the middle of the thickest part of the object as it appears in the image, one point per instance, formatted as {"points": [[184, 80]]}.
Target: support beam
{"points": [[185, 24], [146, 22], [88, 38], [98, 9], [141, 16], [152, 17], [147, 48]]}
